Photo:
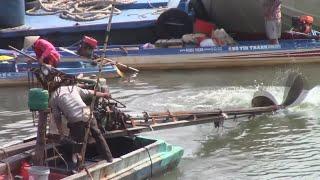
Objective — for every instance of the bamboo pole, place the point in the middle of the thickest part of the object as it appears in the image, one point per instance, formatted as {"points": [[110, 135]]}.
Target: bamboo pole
{"points": [[39, 157], [86, 136]]}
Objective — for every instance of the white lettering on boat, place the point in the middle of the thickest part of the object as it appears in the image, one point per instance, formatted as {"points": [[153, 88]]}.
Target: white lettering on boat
{"points": [[200, 49], [254, 47]]}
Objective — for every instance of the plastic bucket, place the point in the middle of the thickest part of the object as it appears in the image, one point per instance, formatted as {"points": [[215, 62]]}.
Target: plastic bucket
{"points": [[39, 173]]}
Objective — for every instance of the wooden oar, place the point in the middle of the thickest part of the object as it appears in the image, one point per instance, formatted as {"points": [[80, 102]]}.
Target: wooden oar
{"points": [[120, 64], [27, 55], [107, 59]]}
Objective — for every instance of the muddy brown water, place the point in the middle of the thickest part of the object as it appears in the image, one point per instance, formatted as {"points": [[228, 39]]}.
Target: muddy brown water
{"points": [[280, 146]]}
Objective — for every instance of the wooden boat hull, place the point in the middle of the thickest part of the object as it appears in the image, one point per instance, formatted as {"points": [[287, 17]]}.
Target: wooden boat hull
{"points": [[214, 61], [149, 158], [140, 164], [245, 54], [16, 74]]}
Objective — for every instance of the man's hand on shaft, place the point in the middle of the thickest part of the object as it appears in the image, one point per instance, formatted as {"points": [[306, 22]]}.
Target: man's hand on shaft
{"points": [[106, 95]]}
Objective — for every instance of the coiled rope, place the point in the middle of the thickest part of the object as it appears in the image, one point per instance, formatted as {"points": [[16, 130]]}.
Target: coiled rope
{"points": [[77, 10]]}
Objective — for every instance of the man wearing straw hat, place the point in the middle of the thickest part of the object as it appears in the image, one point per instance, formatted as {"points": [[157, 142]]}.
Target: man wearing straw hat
{"points": [[46, 53]]}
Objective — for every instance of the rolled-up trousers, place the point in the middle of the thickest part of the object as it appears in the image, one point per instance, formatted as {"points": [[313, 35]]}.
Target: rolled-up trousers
{"points": [[77, 133]]}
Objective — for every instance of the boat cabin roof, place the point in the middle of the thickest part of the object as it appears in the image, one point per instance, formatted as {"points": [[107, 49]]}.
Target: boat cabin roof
{"points": [[139, 14]]}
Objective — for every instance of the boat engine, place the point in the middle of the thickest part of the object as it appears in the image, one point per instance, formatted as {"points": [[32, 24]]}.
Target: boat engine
{"points": [[110, 117], [87, 46]]}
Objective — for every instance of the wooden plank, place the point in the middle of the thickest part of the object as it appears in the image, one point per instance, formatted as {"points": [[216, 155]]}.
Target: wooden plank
{"points": [[16, 149]]}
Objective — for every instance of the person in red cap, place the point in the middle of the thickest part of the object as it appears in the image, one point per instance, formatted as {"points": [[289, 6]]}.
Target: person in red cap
{"points": [[46, 53], [306, 28]]}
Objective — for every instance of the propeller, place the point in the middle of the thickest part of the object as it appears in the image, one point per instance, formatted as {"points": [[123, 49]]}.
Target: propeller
{"points": [[263, 98], [295, 92], [296, 89]]}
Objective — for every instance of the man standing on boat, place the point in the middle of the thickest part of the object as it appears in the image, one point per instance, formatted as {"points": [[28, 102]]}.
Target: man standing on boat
{"points": [[272, 16], [46, 53], [69, 101]]}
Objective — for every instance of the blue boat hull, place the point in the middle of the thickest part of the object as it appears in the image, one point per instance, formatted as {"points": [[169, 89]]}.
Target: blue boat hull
{"points": [[142, 163], [12, 74], [253, 53], [246, 53]]}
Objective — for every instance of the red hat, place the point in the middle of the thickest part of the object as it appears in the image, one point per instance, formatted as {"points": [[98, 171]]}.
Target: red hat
{"points": [[306, 19]]}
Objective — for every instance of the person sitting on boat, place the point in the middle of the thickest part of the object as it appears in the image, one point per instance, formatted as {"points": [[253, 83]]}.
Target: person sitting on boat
{"points": [[69, 101], [46, 53], [272, 16], [303, 24]]}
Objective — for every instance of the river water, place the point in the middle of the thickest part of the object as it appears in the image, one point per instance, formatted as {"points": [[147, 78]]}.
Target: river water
{"points": [[284, 145]]}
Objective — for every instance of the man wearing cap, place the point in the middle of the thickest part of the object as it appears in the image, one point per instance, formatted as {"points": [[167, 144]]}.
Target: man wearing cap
{"points": [[305, 26], [272, 16], [46, 53]]}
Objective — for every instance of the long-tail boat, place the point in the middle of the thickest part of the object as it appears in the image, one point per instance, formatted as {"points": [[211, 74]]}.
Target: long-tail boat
{"points": [[135, 157]]}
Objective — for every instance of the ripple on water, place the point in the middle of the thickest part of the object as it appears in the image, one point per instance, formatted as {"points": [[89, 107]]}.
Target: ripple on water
{"points": [[282, 146]]}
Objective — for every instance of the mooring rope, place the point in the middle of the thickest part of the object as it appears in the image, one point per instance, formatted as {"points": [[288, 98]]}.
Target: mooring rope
{"points": [[78, 10], [151, 163], [88, 173]]}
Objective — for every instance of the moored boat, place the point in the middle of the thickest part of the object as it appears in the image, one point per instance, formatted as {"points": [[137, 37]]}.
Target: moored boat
{"points": [[14, 74], [134, 22], [244, 54]]}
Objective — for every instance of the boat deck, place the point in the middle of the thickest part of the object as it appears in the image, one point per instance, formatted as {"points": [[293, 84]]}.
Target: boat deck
{"points": [[136, 15]]}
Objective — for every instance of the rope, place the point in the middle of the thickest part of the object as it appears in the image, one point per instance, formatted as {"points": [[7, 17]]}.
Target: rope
{"points": [[78, 10], [4, 152], [8, 170], [157, 11], [61, 157], [89, 174], [151, 163]]}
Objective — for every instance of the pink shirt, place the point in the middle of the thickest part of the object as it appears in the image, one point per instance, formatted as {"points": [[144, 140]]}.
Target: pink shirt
{"points": [[43, 49], [272, 9]]}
